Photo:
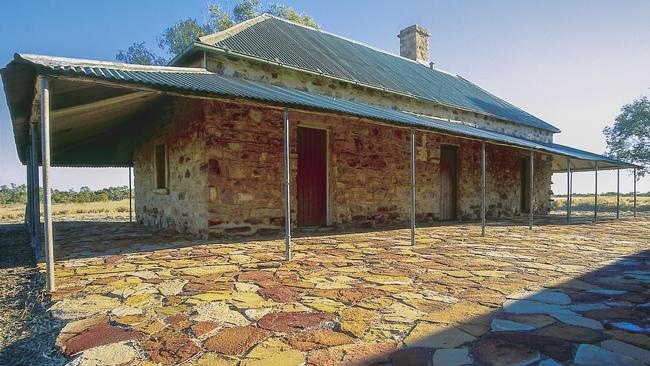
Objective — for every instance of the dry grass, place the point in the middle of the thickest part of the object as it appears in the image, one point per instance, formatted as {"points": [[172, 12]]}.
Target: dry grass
{"points": [[71, 211], [27, 332], [605, 203]]}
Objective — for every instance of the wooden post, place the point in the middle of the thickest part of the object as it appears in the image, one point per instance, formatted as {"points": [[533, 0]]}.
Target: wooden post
{"points": [[531, 210], [47, 194], [287, 189], [483, 187], [596, 194], [412, 187], [130, 198]]}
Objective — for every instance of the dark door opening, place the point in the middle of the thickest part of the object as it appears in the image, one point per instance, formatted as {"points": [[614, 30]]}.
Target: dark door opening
{"points": [[448, 182], [312, 177], [524, 172]]}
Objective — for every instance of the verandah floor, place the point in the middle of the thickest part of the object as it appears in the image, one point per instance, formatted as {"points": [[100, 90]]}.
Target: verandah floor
{"points": [[571, 293]]}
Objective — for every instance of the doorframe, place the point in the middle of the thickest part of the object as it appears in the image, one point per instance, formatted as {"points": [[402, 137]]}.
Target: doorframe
{"points": [[524, 199], [456, 147], [327, 165]]}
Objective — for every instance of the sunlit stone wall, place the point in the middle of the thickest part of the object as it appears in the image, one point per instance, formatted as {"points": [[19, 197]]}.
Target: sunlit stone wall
{"points": [[226, 171]]}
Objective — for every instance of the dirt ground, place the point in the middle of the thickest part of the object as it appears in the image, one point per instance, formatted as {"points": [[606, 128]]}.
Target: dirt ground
{"points": [[27, 332]]}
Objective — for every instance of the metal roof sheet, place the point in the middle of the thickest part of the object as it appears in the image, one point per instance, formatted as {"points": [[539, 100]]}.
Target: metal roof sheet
{"points": [[280, 41], [200, 82]]}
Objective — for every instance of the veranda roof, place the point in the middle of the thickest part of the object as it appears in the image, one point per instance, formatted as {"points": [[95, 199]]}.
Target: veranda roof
{"points": [[93, 105]]}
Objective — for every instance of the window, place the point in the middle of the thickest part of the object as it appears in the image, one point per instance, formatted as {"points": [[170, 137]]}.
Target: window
{"points": [[161, 167]]}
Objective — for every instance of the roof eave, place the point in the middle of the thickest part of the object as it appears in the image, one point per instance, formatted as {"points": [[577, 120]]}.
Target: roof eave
{"points": [[187, 51], [321, 103]]}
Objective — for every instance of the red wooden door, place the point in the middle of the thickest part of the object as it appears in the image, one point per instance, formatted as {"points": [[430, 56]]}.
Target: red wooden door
{"points": [[448, 182], [312, 177]]}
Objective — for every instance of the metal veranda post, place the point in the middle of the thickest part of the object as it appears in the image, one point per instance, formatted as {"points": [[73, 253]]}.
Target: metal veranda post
{"points": [[29, 219], [483, 188], [568, 190], [531, 210], [287, 189], [634, 209], [412, 187], [618, 194], [47, 194], [36, 193], [596, 194], [571, 196], [130, 198]]}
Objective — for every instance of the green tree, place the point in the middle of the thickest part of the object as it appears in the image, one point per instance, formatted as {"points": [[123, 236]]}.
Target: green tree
{"points": [[138, 53], [101, 197], [176, 37], [218, 19], [289, 13], [629, 138], [245, 10]]}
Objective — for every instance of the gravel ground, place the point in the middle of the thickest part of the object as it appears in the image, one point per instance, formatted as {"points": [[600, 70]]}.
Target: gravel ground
{"points": [[27, 332]]}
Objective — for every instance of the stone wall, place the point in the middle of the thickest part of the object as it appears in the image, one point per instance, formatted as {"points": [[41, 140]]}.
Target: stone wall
{"points": [[226, 171], [177, 123], [368, 171], [277, 75]]}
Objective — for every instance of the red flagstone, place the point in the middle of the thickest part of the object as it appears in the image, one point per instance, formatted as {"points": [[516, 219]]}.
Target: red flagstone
{"points": [[170, 348], [235, 341], [291, 322], [349, 295], [281, 293], [113, 259], [202, 328], [254, 276], [98, 335], [307, 341]]}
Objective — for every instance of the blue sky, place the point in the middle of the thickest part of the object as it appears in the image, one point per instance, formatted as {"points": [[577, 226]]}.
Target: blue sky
{"points": [[571, 63]]}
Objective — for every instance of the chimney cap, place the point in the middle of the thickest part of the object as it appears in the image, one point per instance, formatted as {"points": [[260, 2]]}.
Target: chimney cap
{"points": [[414, 28]]}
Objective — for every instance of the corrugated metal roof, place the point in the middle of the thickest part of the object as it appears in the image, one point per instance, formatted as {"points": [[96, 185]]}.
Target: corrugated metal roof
{"points": [[199, 82], [280, 41]]}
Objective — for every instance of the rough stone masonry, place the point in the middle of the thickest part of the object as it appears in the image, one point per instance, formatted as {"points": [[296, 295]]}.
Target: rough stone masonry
{"points": [[226, 167]]}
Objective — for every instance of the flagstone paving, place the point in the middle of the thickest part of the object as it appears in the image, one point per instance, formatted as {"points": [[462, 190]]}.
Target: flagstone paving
{"points": [[558, 294]]}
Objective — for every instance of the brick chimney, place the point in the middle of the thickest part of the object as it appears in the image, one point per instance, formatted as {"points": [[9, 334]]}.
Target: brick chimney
{"points": [[414, 43]]}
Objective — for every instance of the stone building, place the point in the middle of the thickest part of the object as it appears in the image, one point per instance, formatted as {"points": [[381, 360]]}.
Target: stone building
{"points": [[205, 135], [225, 177]]}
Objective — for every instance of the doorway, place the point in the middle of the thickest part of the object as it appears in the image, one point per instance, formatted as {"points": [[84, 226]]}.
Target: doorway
{"points": [[312, 177], [524, 172], [448, 182]]}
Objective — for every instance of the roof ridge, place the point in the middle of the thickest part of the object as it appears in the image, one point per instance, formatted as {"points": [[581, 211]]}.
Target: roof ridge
{"points": [[49, 61], [215, 37], [360, 44]]}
